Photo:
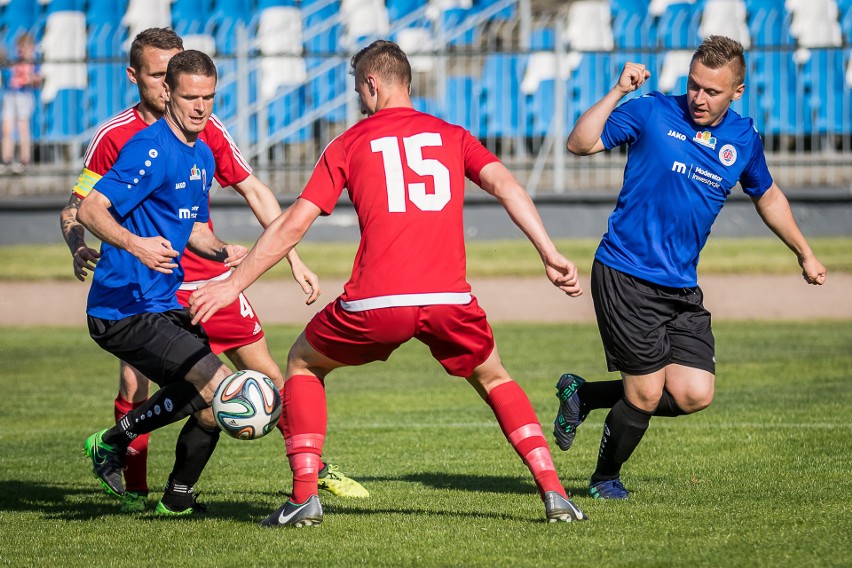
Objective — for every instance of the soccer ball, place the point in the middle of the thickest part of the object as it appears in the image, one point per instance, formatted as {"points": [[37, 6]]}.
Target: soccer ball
{"points": [[246, 405]]}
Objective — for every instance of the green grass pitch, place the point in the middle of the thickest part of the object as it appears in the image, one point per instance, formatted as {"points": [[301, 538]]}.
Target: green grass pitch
{"points": [[761, 478]]}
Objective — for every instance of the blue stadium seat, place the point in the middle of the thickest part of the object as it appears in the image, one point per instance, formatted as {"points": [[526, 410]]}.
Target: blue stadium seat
{"points": [[844, 8], [105, 94], [398, 9], [821, 80], [768, 23], [286, 108], [543, 39], [590, 81], [457, 107], [325, 86], [632, 25], [498, 109], [66, 5], [20, 16], [62, 118], [677, 27], [190, 17], [263, 4], [225, 16], [775, 76]]}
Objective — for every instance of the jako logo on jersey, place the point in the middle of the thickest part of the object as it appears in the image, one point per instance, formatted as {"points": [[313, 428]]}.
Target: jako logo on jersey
{"points": [[705, 139], [180, 185], [728, 155], [194, 173], [676, 134], [679, 167]]}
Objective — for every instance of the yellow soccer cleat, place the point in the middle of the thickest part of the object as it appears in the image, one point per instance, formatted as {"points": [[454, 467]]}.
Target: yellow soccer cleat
{"points": [[335, 482]]}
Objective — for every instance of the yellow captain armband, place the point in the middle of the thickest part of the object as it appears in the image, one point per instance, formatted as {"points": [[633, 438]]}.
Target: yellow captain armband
{"points": [[85, 182]]}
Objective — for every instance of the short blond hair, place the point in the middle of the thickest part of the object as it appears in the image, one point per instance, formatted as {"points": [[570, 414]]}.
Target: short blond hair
{"points": [[717, 51]]}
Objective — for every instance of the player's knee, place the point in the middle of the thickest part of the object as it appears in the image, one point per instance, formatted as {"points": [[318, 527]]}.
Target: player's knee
{"points": [[696, 400]]}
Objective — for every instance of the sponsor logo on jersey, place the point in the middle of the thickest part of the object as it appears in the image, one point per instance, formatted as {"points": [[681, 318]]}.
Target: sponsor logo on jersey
{"points": [[678, 135], [728, 155], [679, 167], [184, 213], [180, 185], [705, 139], [194, 173], [707, 178]]}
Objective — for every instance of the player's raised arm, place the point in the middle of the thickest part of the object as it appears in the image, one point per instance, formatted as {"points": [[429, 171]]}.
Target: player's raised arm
{"points": [[585, 138], [276, 241], [266, 208], [154, 252], [497, 180], [774, 209]]}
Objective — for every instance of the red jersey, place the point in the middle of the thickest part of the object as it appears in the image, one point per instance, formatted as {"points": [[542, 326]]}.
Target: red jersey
{"points": [[405, 174], [231, 168]]}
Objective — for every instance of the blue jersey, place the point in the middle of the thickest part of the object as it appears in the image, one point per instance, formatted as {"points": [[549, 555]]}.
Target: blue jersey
{"points": [[677, 178], [158, 186]]}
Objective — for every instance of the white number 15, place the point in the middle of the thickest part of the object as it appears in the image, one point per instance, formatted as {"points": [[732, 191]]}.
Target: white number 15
{"points": [[395, 179]]}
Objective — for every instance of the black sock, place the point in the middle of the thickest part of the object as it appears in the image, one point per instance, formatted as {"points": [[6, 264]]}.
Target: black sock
{"points": [[169, 404], [668, 406], [623, 430], [600, 394], [195, 445]]}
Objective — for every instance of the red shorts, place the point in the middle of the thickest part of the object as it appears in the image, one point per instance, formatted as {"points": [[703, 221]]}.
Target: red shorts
{"points": [[458, 336], [231, 327]]}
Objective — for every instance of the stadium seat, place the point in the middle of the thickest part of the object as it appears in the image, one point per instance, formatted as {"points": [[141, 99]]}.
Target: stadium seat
{"points": [[768, 23], [225, 17], [632, 25], [821, 80], [363, 21], [588, 26], [144, 14], [398, 9], [61, 116], [107, 81], [191, 18], [726, 18], [814, 23], [284, 110], [499, 113], [19, 16], [64, 53], [775, 75], [457, 107], [677, 27], [674, 72]]}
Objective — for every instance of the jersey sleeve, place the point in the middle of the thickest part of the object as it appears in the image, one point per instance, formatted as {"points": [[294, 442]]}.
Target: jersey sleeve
{"points": [[137, 172], [755, 178], [328, 179], [476, 157], [231, 166], [626, 122], [101, 156]]}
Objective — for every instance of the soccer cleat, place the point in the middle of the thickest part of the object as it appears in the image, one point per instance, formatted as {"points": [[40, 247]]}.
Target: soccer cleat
{"points": [[558, 508], [107, 463], [608, 489], [291, 514], [134, 501], [570, 413], [180, 509], [335, 482]]}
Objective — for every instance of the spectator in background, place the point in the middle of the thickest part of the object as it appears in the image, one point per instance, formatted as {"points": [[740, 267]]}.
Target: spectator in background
{"points": [[18, 105]]}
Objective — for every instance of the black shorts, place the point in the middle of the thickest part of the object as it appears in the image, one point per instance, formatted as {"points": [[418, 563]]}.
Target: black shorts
{"points": [[645, 327], [163, 346]]}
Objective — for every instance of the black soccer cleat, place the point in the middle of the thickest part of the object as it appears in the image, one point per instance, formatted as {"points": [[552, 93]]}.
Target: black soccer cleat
{"points": [[107, 463]]}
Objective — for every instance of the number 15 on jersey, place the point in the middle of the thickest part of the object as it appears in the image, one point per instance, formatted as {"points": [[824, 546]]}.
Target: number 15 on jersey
{"points": [[394, 177]]}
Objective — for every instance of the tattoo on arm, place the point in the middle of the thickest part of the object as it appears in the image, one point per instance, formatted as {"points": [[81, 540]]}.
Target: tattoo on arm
{"points": [[73, 232]]}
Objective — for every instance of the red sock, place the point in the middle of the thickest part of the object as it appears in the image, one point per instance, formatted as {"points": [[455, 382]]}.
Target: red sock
{"points": [[521, 427], [304, 427], [136, 458]]}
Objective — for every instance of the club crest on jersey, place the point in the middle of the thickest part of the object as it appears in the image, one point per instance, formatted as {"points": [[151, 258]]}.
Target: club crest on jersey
{"points": [[194, 173], [705, 139], [728, 155]]}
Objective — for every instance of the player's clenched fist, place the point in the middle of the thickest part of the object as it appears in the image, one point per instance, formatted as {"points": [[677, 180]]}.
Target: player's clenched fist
{"points": [[633, 76]]}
